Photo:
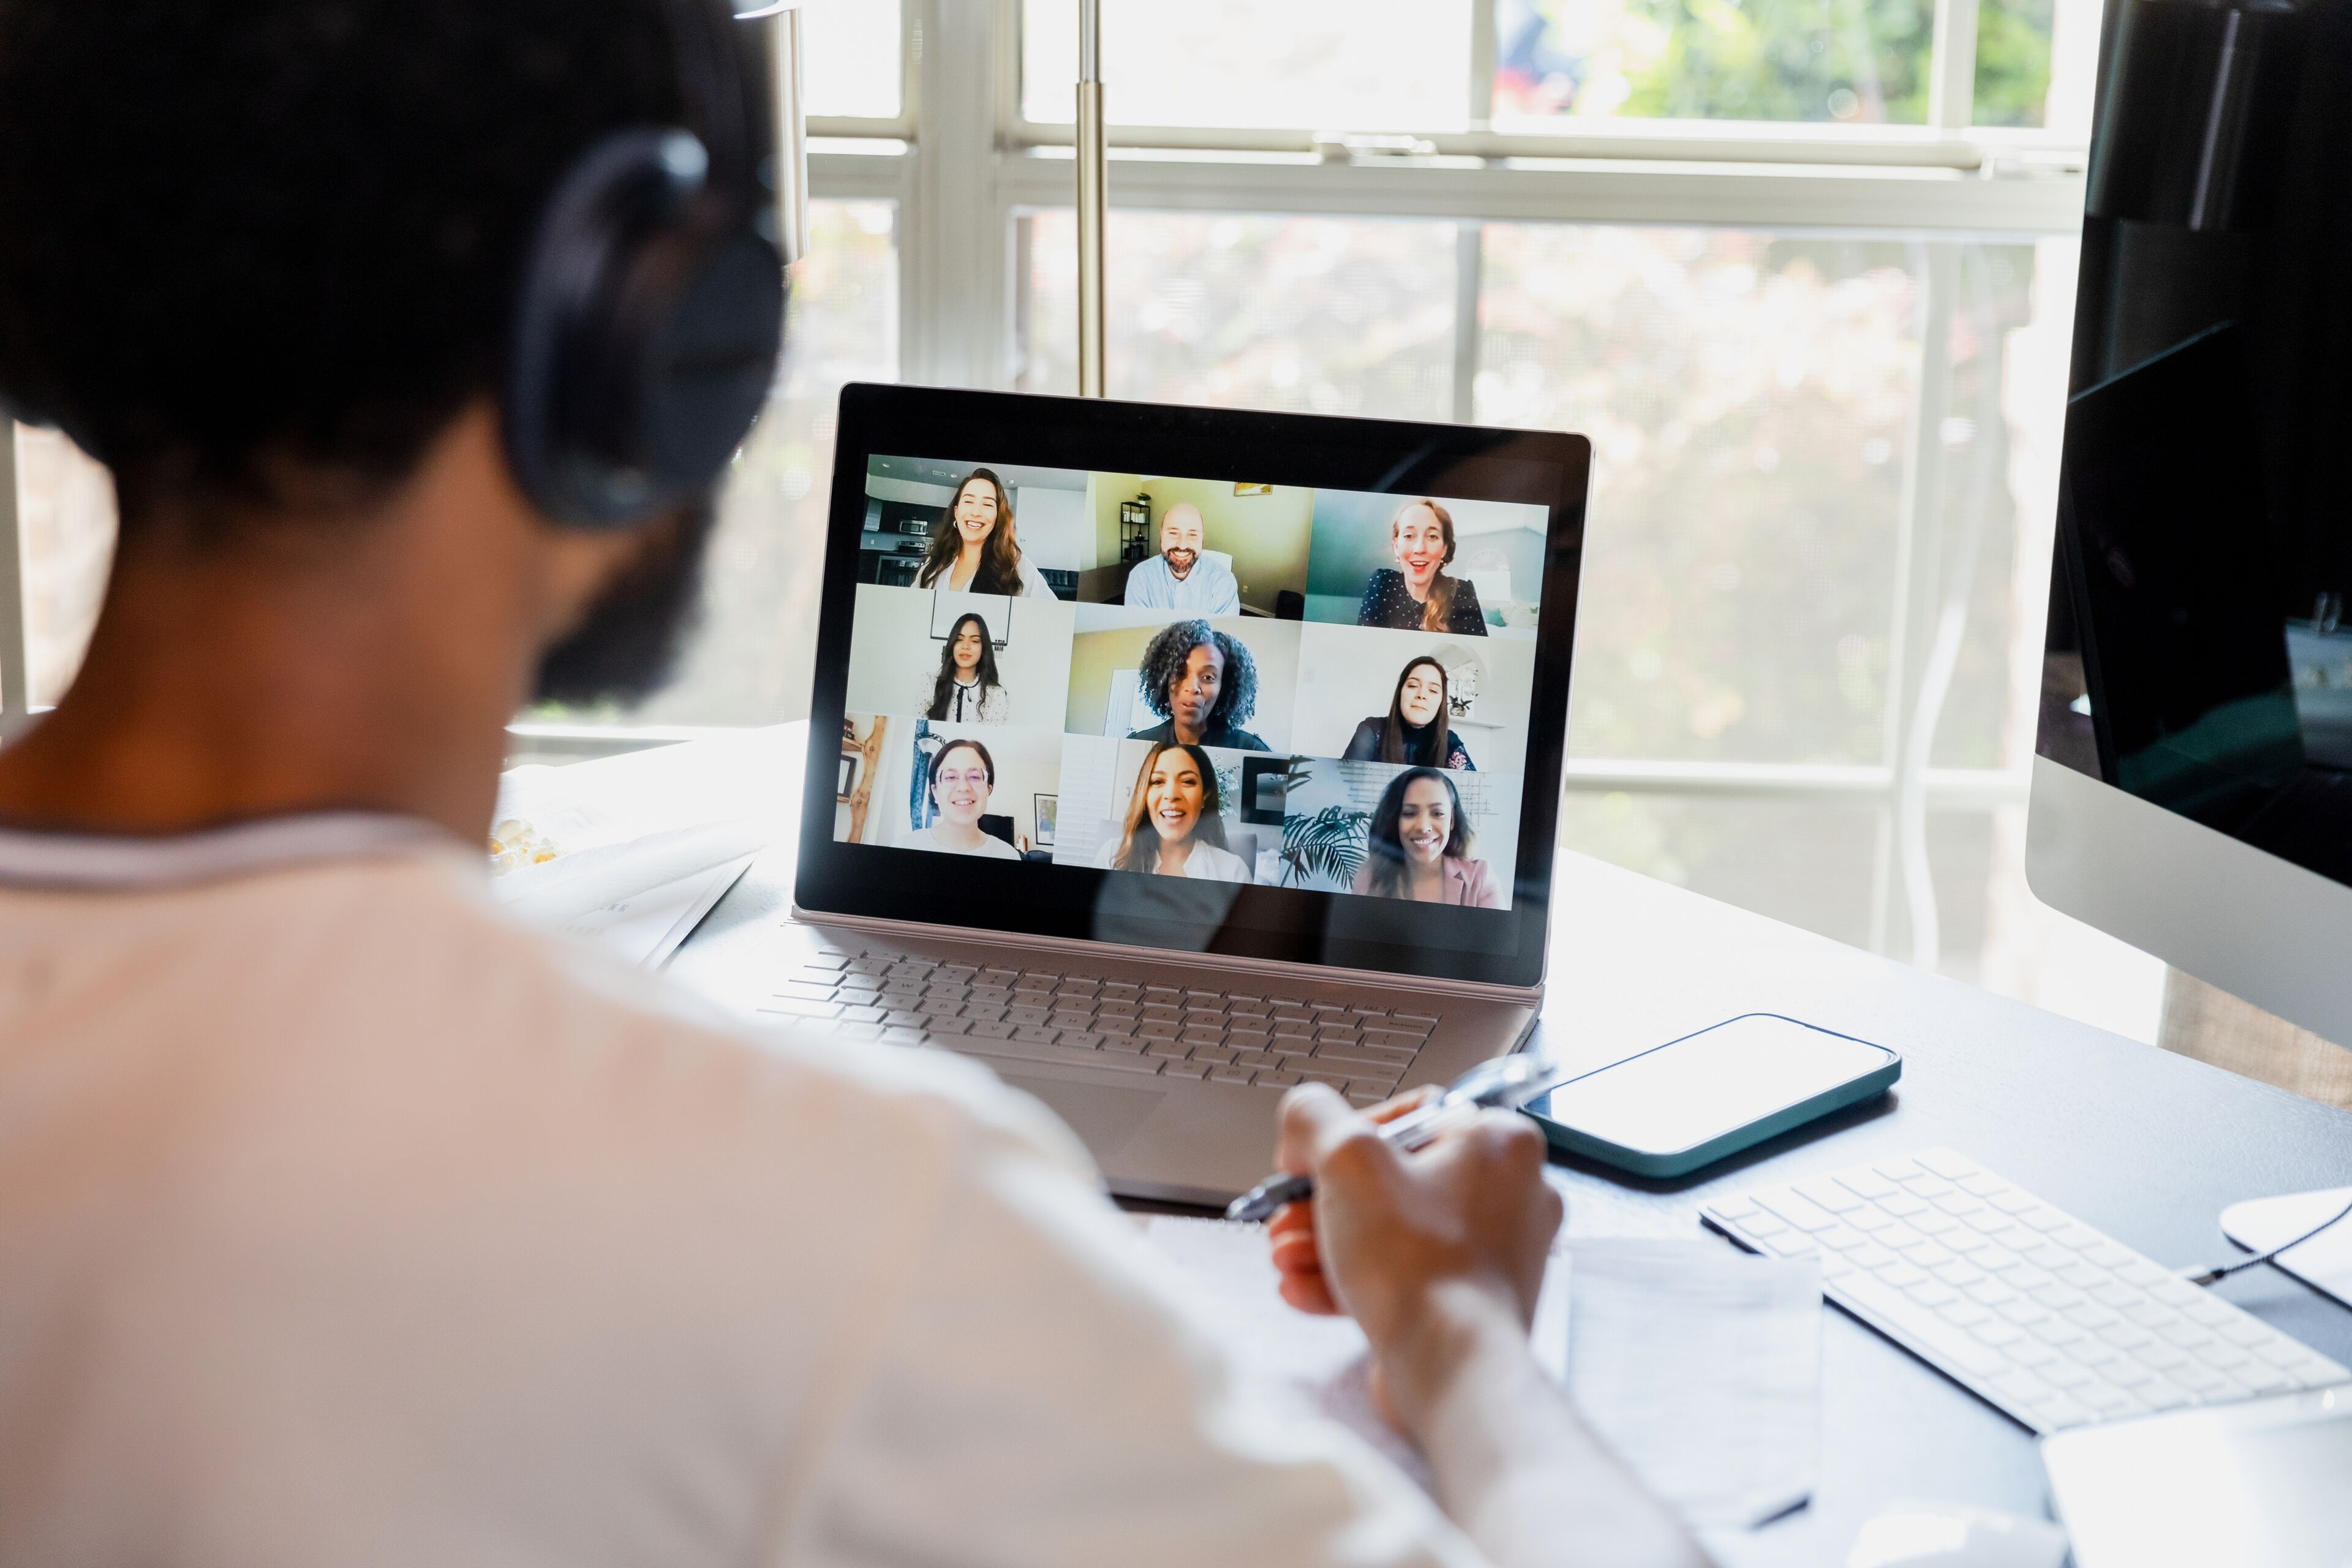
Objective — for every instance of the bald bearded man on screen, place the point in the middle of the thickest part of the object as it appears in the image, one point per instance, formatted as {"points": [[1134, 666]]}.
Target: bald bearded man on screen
{"points": [[1181, 578]]}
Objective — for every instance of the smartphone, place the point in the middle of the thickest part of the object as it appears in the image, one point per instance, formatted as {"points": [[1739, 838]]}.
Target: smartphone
{"points": [[1691, 1102]]}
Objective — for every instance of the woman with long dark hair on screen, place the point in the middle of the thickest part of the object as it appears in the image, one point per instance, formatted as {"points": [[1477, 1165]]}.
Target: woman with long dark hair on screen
{"points": [[1173, 828], [1417, 593], [1418, 730], [1420, 846], [974, 547], [964, 775], [964, 690]]}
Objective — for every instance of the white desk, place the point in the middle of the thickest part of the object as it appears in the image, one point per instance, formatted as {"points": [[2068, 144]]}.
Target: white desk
{"points": [[2144, 1144]]}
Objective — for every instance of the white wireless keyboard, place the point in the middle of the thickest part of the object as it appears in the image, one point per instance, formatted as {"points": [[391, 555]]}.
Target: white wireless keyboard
{"points": [[2034, 1310]]}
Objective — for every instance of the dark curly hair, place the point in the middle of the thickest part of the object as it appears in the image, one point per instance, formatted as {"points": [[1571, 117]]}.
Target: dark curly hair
{"points": [[260, 253], [1163, 665]]}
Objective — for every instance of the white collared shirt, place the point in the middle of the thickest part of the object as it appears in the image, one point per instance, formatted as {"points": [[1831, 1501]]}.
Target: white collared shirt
{"points": [[344, 1223]]}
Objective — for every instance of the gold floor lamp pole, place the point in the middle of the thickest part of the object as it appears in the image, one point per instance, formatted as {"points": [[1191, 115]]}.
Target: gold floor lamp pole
{"points": [[1094, 199]]}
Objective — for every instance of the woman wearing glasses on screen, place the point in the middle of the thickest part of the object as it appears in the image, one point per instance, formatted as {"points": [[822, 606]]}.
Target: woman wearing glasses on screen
{"points": [[1416, 594], [964, 775], [1173, 825], [1416, 729], [974, 548], [1203, 682], [965, 688], [1420, 846]]}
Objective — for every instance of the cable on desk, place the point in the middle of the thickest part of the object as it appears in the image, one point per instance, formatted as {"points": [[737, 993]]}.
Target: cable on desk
{"points": [[2222, 1271]]}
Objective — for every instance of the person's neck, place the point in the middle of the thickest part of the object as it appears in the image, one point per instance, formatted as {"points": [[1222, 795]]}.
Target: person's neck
{"points": [[967, 677], [1419, 595], [368, 662], [1426, 883], [1188, 737], [1175, 854], [967, 565]]}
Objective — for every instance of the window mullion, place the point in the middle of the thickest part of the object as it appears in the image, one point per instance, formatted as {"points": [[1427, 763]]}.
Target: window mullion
{"points": [[1952, 62], [1483, 51], [1469, 279], [15, 616]]}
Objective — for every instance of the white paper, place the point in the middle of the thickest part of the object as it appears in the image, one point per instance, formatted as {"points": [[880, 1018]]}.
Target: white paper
{"points": [[1701, 1367], [649, 841], [639, 898], [1323, 1361]]}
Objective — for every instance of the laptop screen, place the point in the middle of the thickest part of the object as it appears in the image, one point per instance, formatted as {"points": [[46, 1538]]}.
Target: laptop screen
{"points": [[1275, 698]]}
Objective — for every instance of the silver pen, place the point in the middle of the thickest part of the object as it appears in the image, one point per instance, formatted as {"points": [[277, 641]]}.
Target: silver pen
{"points": [[1505, 1083]]}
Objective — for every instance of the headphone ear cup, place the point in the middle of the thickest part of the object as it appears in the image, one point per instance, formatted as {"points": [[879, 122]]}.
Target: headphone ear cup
{"points": [[646, 336]]}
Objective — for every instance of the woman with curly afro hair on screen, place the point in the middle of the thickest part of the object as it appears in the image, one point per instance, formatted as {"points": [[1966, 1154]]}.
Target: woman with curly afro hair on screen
{"points": [[1203, 683]]}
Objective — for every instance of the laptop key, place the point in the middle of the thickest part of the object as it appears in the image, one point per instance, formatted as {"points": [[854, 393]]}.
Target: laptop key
{"points": [[992, 1031], [1194, 1071], [1272, 1079], [1229, 1075]]}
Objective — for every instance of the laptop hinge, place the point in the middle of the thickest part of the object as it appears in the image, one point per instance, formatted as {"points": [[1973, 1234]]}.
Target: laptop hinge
{"points": [[1513, 996]]}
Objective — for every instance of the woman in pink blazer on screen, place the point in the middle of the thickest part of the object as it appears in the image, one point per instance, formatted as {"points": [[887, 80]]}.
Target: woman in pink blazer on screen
{"points": [[1420, 846]]}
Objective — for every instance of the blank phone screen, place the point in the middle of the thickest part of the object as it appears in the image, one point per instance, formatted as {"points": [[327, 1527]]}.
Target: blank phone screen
{"points": [[1681, 1095]]}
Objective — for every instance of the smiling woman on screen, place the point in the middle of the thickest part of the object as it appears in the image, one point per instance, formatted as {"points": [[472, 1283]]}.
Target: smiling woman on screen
{"points": [[1416, 594], [1420, 846], [965, 690], [974, 548], [1203, 682], [1172, 824], [964, 775], [1418, 728]]}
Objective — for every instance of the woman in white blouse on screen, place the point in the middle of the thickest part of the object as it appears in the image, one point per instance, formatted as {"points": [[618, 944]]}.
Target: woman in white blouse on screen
{"points": [[964, 690], [1173, 828], [975, 547]]}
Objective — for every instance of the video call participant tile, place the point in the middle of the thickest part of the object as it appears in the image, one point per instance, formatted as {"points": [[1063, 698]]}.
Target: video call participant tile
{"points": [[1384, 560], [1431, 835], [1199, 547], [970, 658], [1371, 695], [955, 789], [1229, 683], [1162, 807]]}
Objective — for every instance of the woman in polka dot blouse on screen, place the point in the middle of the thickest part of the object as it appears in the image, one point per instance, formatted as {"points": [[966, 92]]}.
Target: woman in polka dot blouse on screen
{"points": [[1417, 593]]}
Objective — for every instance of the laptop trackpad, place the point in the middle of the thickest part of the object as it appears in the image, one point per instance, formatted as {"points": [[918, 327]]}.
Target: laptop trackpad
{"points": [[1104, 1118]]}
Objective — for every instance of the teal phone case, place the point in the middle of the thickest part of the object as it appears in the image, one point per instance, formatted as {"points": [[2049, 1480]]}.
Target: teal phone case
{"points": [[1682, 1162]]}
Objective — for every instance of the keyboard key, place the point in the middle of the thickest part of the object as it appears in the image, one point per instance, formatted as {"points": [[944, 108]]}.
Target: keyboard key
{"points": [[1799, 1211], [1831, 1196], [1270, 1079], [1195, 1071]]}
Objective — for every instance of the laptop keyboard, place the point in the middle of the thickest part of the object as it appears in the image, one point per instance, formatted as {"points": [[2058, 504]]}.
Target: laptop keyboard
{"points": [[1272, 1040]]}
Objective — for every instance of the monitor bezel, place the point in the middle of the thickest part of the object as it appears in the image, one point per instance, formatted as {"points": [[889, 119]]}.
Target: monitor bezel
{"points": [[1503, 948]]}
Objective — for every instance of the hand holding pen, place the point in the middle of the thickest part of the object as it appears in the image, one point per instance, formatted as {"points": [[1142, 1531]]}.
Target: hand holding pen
{"points": [[1506, 1083]]}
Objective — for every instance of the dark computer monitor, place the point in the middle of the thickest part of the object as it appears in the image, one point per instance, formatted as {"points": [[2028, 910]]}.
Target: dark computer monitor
{"points": [[2192, 790]]}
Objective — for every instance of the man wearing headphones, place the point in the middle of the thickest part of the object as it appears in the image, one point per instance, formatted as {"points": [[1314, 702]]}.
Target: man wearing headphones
{"points": [[341, 1222]]}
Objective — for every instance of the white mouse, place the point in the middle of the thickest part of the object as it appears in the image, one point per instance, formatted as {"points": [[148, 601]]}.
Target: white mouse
{"points": [[1952, 1535]]}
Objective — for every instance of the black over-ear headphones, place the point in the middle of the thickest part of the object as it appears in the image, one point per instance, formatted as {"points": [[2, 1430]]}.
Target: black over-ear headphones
{"points": [[650, 314]]}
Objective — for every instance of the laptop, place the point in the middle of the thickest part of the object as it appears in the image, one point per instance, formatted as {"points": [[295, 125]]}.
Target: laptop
{"points": [[1184, 756]]}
